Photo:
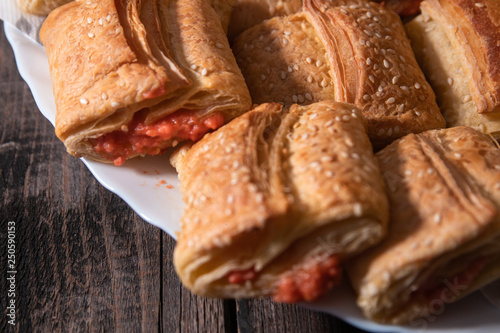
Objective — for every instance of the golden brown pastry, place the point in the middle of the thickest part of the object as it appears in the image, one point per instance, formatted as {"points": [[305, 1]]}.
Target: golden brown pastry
{"points": [[350, 51], [275, 200], [456, 43], [40, 7], [444, 231], [247, 13], [136, 77]]}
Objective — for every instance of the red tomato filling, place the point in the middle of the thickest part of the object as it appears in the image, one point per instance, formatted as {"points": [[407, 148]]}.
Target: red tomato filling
{"points": [[402, 7], [139, 138], [308, 283], [462, 280], [239, 277]]}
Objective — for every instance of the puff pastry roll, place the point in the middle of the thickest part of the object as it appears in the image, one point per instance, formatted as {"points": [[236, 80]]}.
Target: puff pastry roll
{"points": [[275, 200], [443, 240], [350, 51], [136, 77], [40, 7], [456, 44], [247, 13]]}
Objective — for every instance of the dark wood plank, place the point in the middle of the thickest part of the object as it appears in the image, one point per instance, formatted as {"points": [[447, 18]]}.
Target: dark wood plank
{"points": [[263, 315], [183, 311], [85, 261]]}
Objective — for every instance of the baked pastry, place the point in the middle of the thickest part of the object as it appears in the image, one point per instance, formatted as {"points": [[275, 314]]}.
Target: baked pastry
{"points": [[350, 51], [444, 231], [247, 13], [40, 7], [456, 44], [136, 77], [275, 200]]}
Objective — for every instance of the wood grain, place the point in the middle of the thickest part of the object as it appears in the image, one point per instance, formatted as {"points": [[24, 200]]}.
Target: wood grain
{"points": [[85, 261]]}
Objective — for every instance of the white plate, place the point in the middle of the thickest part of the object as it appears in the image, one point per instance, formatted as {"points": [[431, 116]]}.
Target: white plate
{"points": [[151, 188]]}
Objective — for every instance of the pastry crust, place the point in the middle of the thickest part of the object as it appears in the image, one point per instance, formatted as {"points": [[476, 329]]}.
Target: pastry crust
{"points": [[247, 13], [107, 65], [349, 51], [40, 7], [270, 193], [444, 229], [456, 44]]}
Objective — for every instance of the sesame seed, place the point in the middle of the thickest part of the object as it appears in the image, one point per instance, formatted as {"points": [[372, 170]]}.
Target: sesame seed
{"points": [[369, 61], [437, 218], [429, 28], [296, 67], [295, 98], [290, 69], [346, 118], [287, 33], [380, 88], [458, 155], [369, 33], [267, 49], [418, 113], [369, 14], [318, 63], [362, 42], [108, 18], [355, 156], [204, 71], [357, 209], [324, 83], [308, 60], [285, 41], [375, 67], [301, 98], [329, 123], [467, 98], [104, 96], [403, 59], [329, 174], [389, 132], [283, 75], [430, 171], [371, 78], [308, 97], [230, 198], [90, 20], [396, 42], [314, 115], [417, 85], [262, 77], [479, 5], [395, 80], [404, 88], [91, 35], [366, 97], [386, 64], [84, 101], [348, 141], [450, 81], [343, 11], [391, 100], [310, 79], [396, 130], [101, 21], [381, 132], [115, 104]]}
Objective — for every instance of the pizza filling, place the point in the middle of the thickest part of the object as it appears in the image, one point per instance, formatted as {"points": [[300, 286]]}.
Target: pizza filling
{"points": [[151, 139]]}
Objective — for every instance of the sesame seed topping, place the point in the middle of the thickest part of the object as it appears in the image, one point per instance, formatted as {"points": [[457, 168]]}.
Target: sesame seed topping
{"points": [[91, 35], [369, 14], [285, 41], [309, 60], [362, 42], [467, 98], [343, 11], [296, 67], [295, 98], [308, 97], [84, 101], [418, 113], [318, 63], [366, 97], [90, 20], [369, 61], [290, 69], [403, 59], [437, 218], [104, 96], [287, 33], [108, 18], [386, 64], [395, 80], [230, 198], [324, 83], [417, 85], [458, 155], [310, 79], [479, 5], [204, 71], [329, 123], [450, 81], [262, 77], [369, 33], [357, 209], [372, 78], [301, 98], [404, 88], [391, 100], [283, 75], [430, 171], [101, 21], [115, 104]]}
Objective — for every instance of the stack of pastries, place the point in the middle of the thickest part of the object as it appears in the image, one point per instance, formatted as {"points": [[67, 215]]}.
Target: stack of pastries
{"points": [[309, 137]]}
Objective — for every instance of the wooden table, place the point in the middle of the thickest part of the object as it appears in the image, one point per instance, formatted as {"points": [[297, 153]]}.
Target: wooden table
{"points": [[85, 260]]}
